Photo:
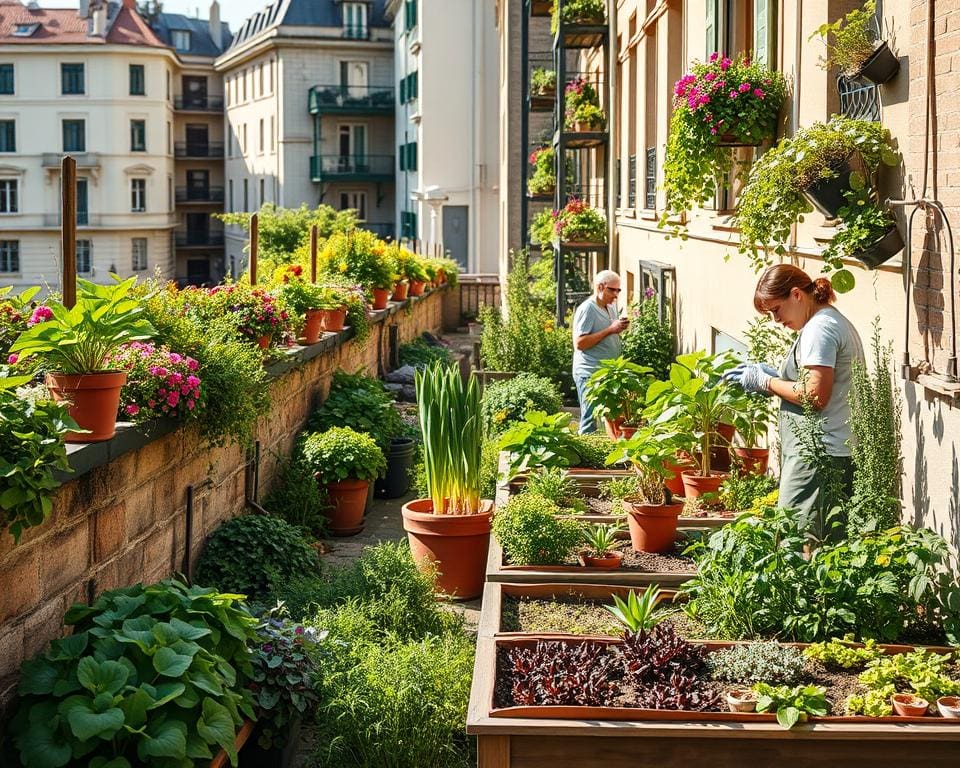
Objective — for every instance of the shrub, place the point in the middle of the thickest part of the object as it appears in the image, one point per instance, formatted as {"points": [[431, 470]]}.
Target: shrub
{"points": [[758, 662], [593, 450], [742, 491], [420, 353], [250, 553], [297, 497], [553, 484], [359, 256], [361, 403], [340, 453], [530, 534], [648, 341], [508, 401]]}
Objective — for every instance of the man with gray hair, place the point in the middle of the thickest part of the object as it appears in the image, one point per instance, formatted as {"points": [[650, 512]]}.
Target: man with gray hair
{"points": [[596, 337]]}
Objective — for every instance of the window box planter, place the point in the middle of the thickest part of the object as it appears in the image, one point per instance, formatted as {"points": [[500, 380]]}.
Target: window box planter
{"points": [[826, 195], [882, 66], [884, 249]]}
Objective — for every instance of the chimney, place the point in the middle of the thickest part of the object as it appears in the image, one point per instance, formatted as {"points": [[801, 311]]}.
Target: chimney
{"points": [[100, 21], [84, 9], [216, 30]]}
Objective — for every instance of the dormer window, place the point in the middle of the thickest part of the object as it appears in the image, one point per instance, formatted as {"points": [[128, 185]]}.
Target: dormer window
{"points": [[355, 21], [25, 30], [181, 39]]}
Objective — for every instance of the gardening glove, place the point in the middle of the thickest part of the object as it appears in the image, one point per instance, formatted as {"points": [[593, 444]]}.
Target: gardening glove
{"points": [[753, 377]]}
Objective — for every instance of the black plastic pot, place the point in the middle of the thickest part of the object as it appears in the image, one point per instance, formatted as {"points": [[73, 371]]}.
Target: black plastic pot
{"points": [[399, 463], [885, 248], [253, 756], [826, 195], [882, 66]]}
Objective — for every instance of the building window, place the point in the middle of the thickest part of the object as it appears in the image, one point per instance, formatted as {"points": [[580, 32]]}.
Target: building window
{"points": [[169, 139], [356, 201], [138, 135], [139, 254], [243, 144], [270, 78], [181, 39], [138, 195], [9, 255], [71, 79], [355, 21], [263, 191], [8, 136], [74, 136], [6, 81], [8, 196], [229, 142], [138, 86], [263, 143], [273, 134], [409, 87], [408, 224], [260, 69], [244, 76], [230, 201], [246, 195], [84, 262], [408, 157], [410, 14]]}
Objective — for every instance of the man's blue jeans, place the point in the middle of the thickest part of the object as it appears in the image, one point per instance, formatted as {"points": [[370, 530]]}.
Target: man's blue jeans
{"points": [[588, 422]]}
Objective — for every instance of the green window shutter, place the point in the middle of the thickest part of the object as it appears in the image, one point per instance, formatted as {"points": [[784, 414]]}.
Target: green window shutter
{"points": [[713, 11], [412, 158], [414, 85], [764, 24], [403, 90], [403, 157]]}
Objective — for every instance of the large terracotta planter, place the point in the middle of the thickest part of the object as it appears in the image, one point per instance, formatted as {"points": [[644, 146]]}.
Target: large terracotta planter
{"points": [[95, 398], [653, 527], [753, 460], [380, 298], [416, 287], [264, 341], [455, 544], [348, 499], [333, 319], [312, 327], [726, 433], [675, 484], [695, 485], [400, 291]]}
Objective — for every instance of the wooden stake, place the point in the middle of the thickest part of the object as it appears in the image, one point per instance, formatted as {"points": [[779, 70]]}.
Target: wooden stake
{"points": [[313, 253], [68, 230], [254, 246]]}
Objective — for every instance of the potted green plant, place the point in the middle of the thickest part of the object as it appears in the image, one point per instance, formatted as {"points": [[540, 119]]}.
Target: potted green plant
{"points": [[450, 531], [363, 258], [617, 390], [651, 513], [576, 12], [419, 273], [541, 228], [308, 302], [76, 346], [543, 181], [854, 49], [577, 224], [601, 541], [696, 400], [868, 232], [648, 340], [582, 112], [816, 167], [344, 462], [543, 82], [719, 104]]}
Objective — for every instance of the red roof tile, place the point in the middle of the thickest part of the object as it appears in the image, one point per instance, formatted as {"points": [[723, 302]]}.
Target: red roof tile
{"points": [[129, 28], [63, 26]]}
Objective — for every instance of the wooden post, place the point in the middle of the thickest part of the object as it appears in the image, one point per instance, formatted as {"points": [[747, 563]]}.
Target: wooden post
{"points": [[68, 230], [254, 246], [313, 253]]}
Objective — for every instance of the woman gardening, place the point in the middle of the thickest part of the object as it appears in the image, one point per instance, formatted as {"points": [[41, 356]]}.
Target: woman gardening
{"points": [[815, 377]]}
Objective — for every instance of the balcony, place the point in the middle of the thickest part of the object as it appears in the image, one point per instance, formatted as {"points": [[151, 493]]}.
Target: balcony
{"points": [[356, 32], [209, 239], [198, 103], [325, 168], [351, 100], [208, 196], [195, 149], [84, 159]]}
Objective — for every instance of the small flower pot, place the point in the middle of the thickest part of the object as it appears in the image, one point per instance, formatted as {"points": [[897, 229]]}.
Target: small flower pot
{"points": [[579, 127], [653, 527], [610, 561], [696, 485], [882, 66], [884, 249], [826, 195], [348, 499], [313, 326], [400, 291], [380, 298], [675, 484], [753, 460], [333, 319], [908, 705], [742, 700], [416, 287], [95, 399], [263, 342], [441, 277], [949, 706]]}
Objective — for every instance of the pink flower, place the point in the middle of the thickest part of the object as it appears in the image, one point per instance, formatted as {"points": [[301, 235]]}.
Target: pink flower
{"points": [[725, 64], [744, 87], [12, 359], [193, 381], [172, 399], [758, 92], [40, 315], [132, 410], [732, 94], [192, 364], [151, 403], [648, 293], [714, 56], [713, 131], [175, 358], [190, 405], [710, 76]]}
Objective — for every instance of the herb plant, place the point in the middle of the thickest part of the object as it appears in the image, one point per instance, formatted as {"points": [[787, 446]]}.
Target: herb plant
{"points": [[530, 532], [617, 390], [420, 353], [563, 673], [297, 497], [651, 450], [601, 539], [555, 485], [639, 613], [505, 402], [842, 654], [619, 488], [540, 441], [543, 180], [341, 453], [758, 662], [922, 672], [853, 39], [543, 81], [742, 491], [576, 12], [792, 705], [361, 403], [648, 340]]}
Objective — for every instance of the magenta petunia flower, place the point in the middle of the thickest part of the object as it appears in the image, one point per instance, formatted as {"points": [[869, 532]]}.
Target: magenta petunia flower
{"points": [[132, 410], [12, 359], [758, 92], [744, 87], [40, 315]]}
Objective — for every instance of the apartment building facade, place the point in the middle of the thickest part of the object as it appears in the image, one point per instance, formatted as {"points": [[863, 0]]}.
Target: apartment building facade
{"points": [[708, 286], [95, 84], [446, 60], [309, 98]]}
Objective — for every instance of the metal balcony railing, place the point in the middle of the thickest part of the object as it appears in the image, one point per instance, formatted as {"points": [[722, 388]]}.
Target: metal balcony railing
{"points": [[356, 32], [356, 99], [198, 103], [352, 167], [198, 149], [210, 239], [195, 195]]}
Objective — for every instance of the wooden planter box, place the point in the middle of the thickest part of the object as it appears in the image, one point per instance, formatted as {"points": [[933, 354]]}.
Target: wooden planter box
{"points": [[550, 737]]}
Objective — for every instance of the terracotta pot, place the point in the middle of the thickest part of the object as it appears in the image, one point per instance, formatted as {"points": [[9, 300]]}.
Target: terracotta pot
{"points": [[579, 127], [742, 700], [456, 544], [95, 398], [349, 499], [720, 460], [678, 467], [441, 277], [613, 427], [400, 291], [908, 705], [416, 287], [695, 486], [726, 433], [333, 319], [380, 298], [949, 706], [611, 561], [264, 342], [626, 432], [653, 527], [312, 328], [753, 460]]}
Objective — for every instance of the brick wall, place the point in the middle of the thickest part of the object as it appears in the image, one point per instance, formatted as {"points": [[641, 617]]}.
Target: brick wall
{"points": [[124, 521]]}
